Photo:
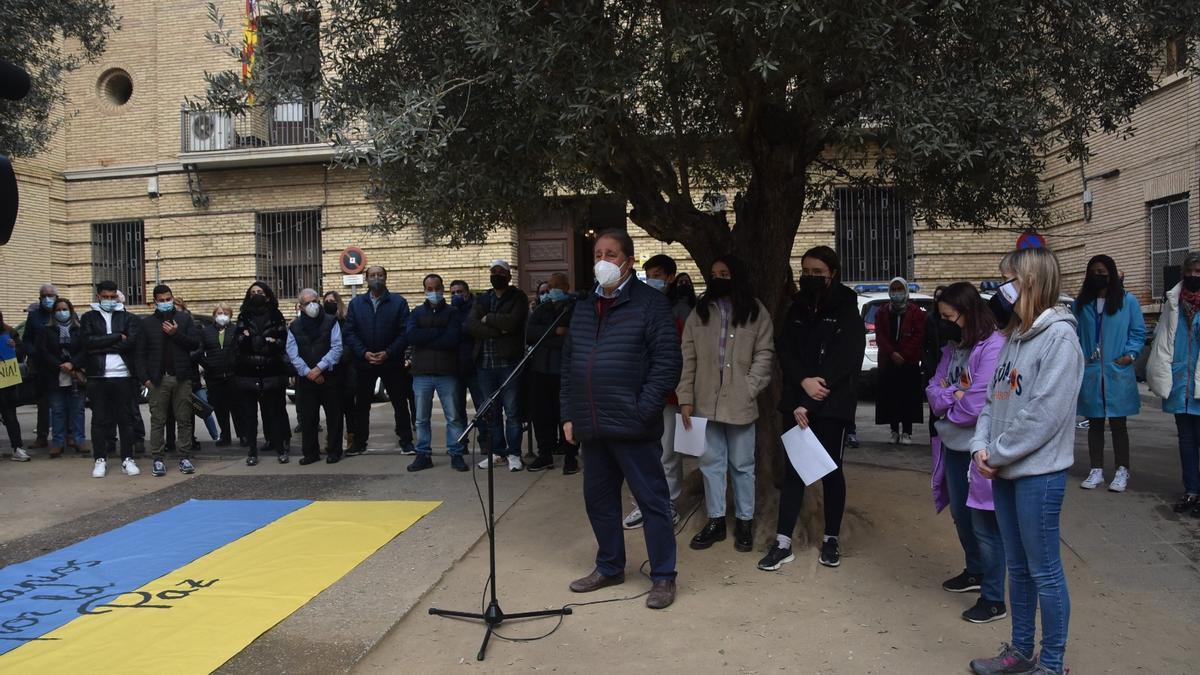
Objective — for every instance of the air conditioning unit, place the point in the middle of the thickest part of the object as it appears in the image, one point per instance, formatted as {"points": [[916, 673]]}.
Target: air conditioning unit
{"points": [[209, 131]]}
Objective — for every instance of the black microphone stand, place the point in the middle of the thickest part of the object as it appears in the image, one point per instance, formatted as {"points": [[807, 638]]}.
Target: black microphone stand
{"points": [[494, 616]]}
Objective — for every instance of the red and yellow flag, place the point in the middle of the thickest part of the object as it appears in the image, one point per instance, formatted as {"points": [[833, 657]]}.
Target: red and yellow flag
{"points": [[250, 43]]}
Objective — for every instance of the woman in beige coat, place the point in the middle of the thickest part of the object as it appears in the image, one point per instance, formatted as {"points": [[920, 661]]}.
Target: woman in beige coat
{"points": [[728, 347]]}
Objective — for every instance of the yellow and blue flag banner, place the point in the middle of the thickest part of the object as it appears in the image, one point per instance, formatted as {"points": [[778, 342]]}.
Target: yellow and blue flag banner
{"points": [[216, 573]]}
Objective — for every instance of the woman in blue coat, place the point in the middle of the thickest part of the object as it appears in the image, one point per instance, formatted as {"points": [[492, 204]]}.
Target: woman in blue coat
{"points": [[1111, 333]]}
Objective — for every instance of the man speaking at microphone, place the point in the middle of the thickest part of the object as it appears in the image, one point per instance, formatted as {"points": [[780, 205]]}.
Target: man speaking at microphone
{"points": [[620, 361]]}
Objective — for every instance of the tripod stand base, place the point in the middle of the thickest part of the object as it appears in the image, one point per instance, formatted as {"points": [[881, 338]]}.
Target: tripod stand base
{"points": [[493, 617]]}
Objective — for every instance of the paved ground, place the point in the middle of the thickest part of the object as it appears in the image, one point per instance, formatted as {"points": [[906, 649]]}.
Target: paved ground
{"points": [[1134, 568]]}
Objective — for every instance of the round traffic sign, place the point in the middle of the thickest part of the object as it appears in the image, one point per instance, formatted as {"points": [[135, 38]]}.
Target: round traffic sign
{"points": [[353, 260], [1031, 240]]}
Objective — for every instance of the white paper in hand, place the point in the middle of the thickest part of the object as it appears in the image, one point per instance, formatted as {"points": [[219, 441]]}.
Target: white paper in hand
{"points": [[807, 455], [690, 442]]}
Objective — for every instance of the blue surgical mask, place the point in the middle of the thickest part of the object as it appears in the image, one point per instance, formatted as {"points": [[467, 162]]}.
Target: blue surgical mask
{"points": [[657, 284], [433, 297], [165, 307], [544, 297], [458, 300], [48, 302], [62, 316], [898, 298], [558, 295], [108, 305]]}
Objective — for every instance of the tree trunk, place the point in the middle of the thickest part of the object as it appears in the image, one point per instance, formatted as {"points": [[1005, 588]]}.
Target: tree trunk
{"points": [[768, 216]]}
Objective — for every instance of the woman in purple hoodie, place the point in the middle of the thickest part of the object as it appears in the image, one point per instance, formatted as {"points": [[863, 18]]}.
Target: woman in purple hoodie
{"points": [[957, 393]]}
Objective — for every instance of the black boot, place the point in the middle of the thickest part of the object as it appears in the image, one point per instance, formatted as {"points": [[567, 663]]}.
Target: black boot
{"points": [[743, 535], [713, 532]]}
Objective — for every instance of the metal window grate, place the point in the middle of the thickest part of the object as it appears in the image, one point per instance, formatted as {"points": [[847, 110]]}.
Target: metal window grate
{"points": [[288, 251], [1168, 239], [118, 255], [874, 234]]}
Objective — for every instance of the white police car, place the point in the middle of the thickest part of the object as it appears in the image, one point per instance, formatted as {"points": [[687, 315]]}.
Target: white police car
{"points": [[871, 297]]}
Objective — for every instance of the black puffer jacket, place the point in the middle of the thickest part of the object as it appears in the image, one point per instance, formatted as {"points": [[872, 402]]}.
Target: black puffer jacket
{"points": [[261, 362], [617, 369], [548, 358], [98, 343], [828, 342], [217, 359], [153, 342]]}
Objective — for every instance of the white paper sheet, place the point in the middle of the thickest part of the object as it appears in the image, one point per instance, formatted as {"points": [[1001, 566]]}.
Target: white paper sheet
{"points": [[690, 442], [807, 455]]}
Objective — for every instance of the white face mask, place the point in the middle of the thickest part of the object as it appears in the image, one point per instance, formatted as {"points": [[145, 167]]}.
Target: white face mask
{"points": [[313, 310], [607, 274], [221, 319]]}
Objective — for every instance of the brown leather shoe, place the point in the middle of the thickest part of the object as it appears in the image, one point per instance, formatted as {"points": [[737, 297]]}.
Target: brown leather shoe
{"points": [[595, 581], [85, 447], [55, 451], [38, 444], [662, 594]]}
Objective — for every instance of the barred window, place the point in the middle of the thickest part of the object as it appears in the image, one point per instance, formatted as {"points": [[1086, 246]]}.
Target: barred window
{"points": [[1168, 239], [874, 234], [118, 255], [288, 251]]}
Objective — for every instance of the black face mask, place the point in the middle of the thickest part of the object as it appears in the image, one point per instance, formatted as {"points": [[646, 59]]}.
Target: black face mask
{"points": [[499, 282], [1095, 282], [331, 308], [719, 287], [257, 301], [949, 330], [1000, 309], [811, 284], [1192, 283]]}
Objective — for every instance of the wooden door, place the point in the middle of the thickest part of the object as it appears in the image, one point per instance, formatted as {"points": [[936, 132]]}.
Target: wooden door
{"points": [[547, 245]]}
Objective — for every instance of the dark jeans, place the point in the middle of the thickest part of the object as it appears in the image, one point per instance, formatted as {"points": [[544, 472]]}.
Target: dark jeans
{"points": [[8, 414], [1120, 434], [546, 426], [223, 397], [398, 388], [606, 464], [504, 433], [977, 529], [1189, 451], [112, 400], [1028, 510], [310, 398], [832, 434], [276, 426]]}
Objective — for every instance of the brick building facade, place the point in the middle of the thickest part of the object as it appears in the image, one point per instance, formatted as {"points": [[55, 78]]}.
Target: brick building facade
{"points": [[133, 186]]}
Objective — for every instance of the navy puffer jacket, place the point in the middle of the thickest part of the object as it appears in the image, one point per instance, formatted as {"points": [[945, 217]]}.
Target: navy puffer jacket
{"points": [[618, 370]]}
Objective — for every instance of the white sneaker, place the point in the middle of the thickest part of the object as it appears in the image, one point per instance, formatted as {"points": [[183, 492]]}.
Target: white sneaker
{"points": [[1119, 481], [895, 437], [483, 463], [515, 464], [905, 439], [100, 469], [1094, 480], [634, 520], [19, 455], [129, 467]]}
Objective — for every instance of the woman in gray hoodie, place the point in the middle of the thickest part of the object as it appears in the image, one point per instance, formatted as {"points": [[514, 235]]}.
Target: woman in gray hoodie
{"points": [[1024, 440]]}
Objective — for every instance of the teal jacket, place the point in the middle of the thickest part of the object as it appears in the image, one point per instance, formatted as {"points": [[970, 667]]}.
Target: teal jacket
{"points": [[1109, 389]]}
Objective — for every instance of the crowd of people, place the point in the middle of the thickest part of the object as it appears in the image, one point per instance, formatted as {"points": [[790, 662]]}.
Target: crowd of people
{"points": [[611, 370]]}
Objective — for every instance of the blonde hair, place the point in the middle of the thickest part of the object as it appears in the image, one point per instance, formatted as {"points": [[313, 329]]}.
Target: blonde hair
{"points": [[1039, 280], [220, 306]]}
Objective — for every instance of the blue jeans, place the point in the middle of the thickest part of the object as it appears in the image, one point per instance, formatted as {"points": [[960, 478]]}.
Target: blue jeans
{"points": [[1027, 510], [977, 529], [1189, 451], [447, 387], [729, 456], [504, 435], [66, 411]]}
